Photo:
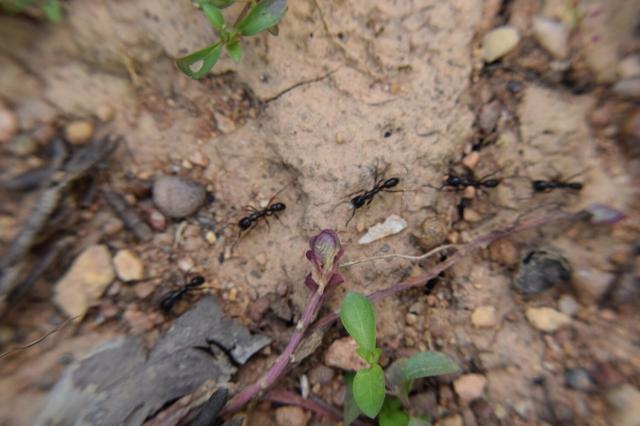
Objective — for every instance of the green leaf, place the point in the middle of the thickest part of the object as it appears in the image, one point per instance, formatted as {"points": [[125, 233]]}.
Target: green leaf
{"points": [[52, 10], [368, 390], [394, 375], [221, 4], [350, 410], [419, 421], [234, 50], [426, 364], [262, 16], [392, 414], [214, 16], [359, 319], [198, 64]]}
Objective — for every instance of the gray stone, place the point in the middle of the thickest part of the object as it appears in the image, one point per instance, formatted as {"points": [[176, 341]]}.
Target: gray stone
{"points": [[177, 197]]}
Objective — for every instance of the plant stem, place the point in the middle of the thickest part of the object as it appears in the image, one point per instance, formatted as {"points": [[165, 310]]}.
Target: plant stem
{"points": [[276, 370], [319, 407]]}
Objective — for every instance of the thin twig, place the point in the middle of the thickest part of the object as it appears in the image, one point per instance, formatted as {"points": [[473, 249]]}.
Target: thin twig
{"points": [[319, 407], [38, 340], [401, 256]]}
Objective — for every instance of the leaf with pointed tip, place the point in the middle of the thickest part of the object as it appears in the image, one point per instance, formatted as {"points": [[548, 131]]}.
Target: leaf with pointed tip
{"points": [[392, 414], [198, 64], [350, 410], [235, 51], [52, 10], [427, 364], [359, 319], [368, 390], [262, 16], [214, 16]]}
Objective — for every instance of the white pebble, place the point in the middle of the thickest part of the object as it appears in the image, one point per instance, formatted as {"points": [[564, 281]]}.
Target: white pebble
{"points": [[499, 42], [553, 35], [392, 225]]}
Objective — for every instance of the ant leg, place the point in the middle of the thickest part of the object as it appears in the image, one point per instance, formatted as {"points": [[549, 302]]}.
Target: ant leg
{"points": [[278, 219], [267, 222], [352, 215]]}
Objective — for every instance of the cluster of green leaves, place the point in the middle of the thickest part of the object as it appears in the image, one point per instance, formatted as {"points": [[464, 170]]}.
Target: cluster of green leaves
{"points": [[366, 390], [50, 8], [257, 16]]}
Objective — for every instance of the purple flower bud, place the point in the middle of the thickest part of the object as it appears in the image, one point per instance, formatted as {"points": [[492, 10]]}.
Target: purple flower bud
{"points": [[325, 253]]}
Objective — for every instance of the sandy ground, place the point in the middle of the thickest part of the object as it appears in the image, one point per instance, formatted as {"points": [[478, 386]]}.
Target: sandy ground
{"points": [[346, 87]]}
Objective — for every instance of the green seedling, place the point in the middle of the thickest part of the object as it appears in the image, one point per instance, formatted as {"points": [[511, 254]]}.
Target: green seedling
{"points": [[367, 389], [256, 17], [50, 8]]}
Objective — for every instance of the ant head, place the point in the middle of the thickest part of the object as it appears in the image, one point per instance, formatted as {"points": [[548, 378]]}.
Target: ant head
{"points": [[277, 207], [196, 281], [390, 183], [575, 185], [539, 185], [453, 180], [358, 201], [245, 223], [490, 183]]}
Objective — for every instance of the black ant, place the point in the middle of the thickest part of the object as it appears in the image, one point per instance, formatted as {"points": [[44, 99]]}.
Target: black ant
{"points": [[550, 185], [271, 209], [460, 183], [367, 196], [170, 299]]}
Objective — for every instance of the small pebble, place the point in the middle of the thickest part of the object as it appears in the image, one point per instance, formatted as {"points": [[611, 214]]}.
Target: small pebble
{"points": [[432, 233], [504, 252], [488, 119], [578, 379], [628, 88], [137, 320], [128, 266], [471, 160], [411, 319], [157, 220], [211, 237], [224, 124], [454, 420], [105, 113], [471, 215], [590, 284], [291, 416], [499, 42], [624, 402], [199, 159], [23, 145], [470, 386], [232, 296], [321, 374], [568, 305], [469, 193], [186, 165], [8, 124], [144, 290], [629, 67], [79, 132], [553, 35], [186, 264], [484, 316], [547, 319], [342, 354], [177, 197], [261, 258], [540, 270]]}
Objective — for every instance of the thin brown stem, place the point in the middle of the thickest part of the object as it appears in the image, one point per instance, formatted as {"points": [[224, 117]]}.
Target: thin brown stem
{"points": [[401, 256], [319, 407]]}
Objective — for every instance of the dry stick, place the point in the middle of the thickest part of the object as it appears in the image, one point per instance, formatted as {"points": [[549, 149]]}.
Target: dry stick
{"points": [[316, 299], [319, 407], [401, 256], [274, 373], [38, 340]]}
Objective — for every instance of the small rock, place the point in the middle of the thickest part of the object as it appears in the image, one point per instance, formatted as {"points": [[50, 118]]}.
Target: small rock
{"points": [[470, 386], [553, 35], [186, 264], [471, 160], [86, 280], [138, 321], [199, 159], [8, 124], [224, 124], [471, 215], [261, 258], [128, 266], [504, 252], [23, 145], [105, 113], [624, 402], [488, 119], [321, 374], [540, 270], [157, 220], [578, 379], [177, 197], [629, 67], [628, 88], [455, 420], [484, 316], [144, 290], [590, 284], [342, 354], [547, 319], [211, 237], [568, 305], [411, 319], [484, 412], [79, 132], [291, 416], [499, 42], [391, 226], [433, 232]]}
